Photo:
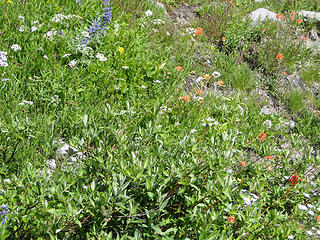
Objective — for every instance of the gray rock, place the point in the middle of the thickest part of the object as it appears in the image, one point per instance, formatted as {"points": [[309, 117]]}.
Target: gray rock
{"points": [[313, 35], [310, 14], [262, 14]]}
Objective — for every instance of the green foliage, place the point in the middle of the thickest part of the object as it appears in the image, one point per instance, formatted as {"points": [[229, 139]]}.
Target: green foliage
{"points": [[153, 166]]}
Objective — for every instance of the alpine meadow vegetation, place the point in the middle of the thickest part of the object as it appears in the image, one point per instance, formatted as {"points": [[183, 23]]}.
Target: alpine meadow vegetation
{"points": [[159, 119]]}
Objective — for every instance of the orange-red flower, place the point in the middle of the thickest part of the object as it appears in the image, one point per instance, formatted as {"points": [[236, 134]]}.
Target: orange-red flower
{"points": [[220, 83], [280, 16], [243, 164], [185, 98], [283, 73], [199, 31], [231, 220], [299, 20], [200, 92], [318, 218], [279, 157], [269, 157], [270, 168], [303, 38], [279, 56], [262, 136], [178, 68], [223, 39], [292, 17], [294, 180], [206, 76], [293, 13]]}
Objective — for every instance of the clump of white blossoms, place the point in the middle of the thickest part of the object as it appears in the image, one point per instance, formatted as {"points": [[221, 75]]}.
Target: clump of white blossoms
{"points": [[3, 59], [15, 47], [24, 102], [164, 109], [158, 22], [59, 17], [101, 57], [148, 13], [72, 63]]}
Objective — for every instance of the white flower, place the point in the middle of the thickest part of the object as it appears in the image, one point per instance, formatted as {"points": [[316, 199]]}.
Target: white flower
{"points": [[72, 63], [318, 232], [45, 57], [168, 34], [125, 67], [101, 57], [306, 195], [291, 237], [35, 22], [21, 17], [265, 110], [58, 17], [302, 207], [34, 28], [190, 30], [85, 34], [215, 74], [157, 22], [24, 102], [84, 187], [157, 81], [309, 233], [3, 64], [148, 13], [268, 123], [15, 47], [311, 212], [5, 79], [40, 48], [193, 131], [66, 55], [21, 28], [143, 86], [7, 180], [310, 205]]}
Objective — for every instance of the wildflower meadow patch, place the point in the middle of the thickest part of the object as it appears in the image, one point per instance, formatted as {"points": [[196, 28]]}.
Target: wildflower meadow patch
{"points": [[159, 119]]}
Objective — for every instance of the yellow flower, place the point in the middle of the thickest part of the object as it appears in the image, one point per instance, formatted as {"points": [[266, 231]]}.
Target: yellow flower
{"points": [[9, 1], [239, 180], [121, 49]]}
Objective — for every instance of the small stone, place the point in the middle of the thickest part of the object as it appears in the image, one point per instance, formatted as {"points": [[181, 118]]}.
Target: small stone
{"points": [[262, 14]]}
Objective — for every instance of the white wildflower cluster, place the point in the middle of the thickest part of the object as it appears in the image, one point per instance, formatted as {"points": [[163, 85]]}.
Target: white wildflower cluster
{"points": [[101, 57], [158, 22], [15, 47], [50, 34], [198, 98], [267, 123], [199, 79], [164, 109], [84, 49], [210, 122], [59, 17], [148, 13], [24, 102], [249, 199], [190, 31], [3, 59]]}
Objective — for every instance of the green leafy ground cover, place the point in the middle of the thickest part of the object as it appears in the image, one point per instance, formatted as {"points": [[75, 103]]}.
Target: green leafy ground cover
{"points": [[208, 130]]}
